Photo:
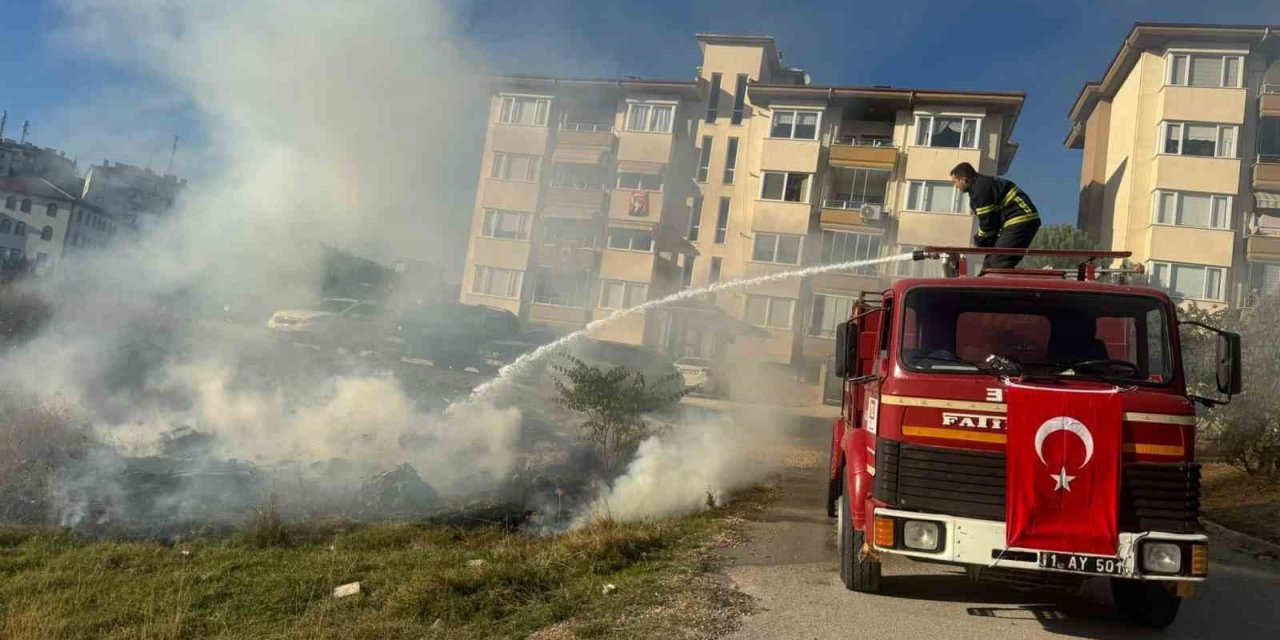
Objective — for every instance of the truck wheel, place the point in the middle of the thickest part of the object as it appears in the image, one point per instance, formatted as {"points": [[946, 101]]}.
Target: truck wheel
{"points": [[1148, 604], [857, 571]]}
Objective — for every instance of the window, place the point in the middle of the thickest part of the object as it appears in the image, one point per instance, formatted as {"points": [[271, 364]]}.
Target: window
{"points": [[640, 181], [936, 197], [11, 203], [20, 228], [580, 177], [26, 205], [704, 160], [514, 166], [502, 283], [852, 188], [772, 247], [686, 277], [797, 125], [524, 110], [730, 160], [650, 117], [770, 313], [695, 219], [952, 331], [714, 276], [565, 290], [844, 246], [507, 225], [5, 225], [789, 187], [713, 99], [1204, 70], [46, 233], [15, 254], [569, 232], [630, 239], [1207, 140], [75, 239], [617, 294], [1193, 209], [1188, 281], [722, 221], [828, 311], [954, 132], [1264, 278], [739, 99], [79, 215], [41, 259], [51, 210]]}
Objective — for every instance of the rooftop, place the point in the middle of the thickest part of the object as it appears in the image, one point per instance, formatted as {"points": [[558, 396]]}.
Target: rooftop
{"points": [[34, 186]]}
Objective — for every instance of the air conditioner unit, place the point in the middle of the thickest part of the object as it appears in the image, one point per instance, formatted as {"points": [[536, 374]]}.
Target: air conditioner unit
{"points": [[872, 212]]}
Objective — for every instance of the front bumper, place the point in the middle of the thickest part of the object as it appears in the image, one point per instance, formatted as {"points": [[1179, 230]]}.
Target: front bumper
{"points": [[970, 541]]}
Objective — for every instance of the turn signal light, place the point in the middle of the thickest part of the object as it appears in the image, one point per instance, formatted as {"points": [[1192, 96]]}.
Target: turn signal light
{"points": [[884, 532], [1199, 560]]}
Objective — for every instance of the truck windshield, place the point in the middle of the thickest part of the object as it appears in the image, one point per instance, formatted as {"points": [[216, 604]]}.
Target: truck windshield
{"points": [[1047, 333]]}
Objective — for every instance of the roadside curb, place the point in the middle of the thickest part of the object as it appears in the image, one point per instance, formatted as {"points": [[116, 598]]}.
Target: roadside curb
{"points": [[1242, 540]]}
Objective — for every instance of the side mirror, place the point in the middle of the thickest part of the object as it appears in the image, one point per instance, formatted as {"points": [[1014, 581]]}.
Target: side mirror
{"points": [[1228, 363], [846, 349]]}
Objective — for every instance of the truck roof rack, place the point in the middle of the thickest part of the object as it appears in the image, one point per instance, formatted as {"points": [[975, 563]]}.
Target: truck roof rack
{"points": [[1086, 269]]}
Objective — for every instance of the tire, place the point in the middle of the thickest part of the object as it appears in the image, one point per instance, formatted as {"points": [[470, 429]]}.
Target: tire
{"points": [[1148, 604], [857, 571]]}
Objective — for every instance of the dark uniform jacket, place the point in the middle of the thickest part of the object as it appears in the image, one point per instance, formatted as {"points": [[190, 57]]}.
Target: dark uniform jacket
{"points": [[999, 205]]}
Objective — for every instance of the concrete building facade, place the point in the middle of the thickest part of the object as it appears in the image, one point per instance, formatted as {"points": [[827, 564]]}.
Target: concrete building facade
{"points": [[1181, 158], [596, 195]]}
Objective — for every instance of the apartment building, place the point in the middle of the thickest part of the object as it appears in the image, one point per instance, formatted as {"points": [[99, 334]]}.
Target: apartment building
{"points": [[596, 195], [1181, 158], [34, 215]]}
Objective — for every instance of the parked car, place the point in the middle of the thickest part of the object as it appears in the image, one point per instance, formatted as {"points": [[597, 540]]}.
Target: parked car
{"points": [[500, 353], [451, 335], [697, 374], [306, 324]]}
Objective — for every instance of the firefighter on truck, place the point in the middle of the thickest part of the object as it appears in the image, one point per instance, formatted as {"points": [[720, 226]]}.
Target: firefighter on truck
{"points": [[1007, 219], [1032, 426]]}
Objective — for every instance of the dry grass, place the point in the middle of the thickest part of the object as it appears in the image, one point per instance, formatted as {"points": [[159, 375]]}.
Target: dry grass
{"points": [[1237, 500], [417, 581]]}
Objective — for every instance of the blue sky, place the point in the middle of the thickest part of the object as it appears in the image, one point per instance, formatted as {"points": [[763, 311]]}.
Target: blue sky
{"points": [[1047, 49]]}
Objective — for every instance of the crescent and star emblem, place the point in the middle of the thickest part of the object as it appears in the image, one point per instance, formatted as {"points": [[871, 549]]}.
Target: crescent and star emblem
{"points": [[1069, 425]]}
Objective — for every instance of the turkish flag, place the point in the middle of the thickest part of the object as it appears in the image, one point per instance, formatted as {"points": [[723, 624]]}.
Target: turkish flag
{"points": [[1063, 470]]}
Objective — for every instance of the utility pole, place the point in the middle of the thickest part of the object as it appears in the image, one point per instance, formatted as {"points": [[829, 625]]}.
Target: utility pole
{"points": [[26, 126], [172, 154]]}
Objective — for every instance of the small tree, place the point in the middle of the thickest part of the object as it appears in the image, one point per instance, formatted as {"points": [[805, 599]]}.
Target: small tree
{"points": [[1247, 431], [615, 403], [1060, 237]]}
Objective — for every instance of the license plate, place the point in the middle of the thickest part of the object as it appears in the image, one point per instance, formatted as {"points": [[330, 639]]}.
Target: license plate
{"points": [[1082, 564]]}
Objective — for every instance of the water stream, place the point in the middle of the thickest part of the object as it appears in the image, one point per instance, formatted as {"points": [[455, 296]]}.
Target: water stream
{"points": [[509, 372]]}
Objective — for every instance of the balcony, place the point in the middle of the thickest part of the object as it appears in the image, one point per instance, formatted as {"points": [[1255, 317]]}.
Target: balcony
{"points": [[1266, 173], [563, 202], [1269, 101], [583, 143], [1262, 247], [864, 151], [568, 258]]}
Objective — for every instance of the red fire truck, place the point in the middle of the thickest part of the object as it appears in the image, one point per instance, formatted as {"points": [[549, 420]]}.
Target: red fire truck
{"points": [[923, 457]]}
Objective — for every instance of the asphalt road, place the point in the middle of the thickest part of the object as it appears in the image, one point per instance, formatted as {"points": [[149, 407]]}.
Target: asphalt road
{"points": [[789, 565]]}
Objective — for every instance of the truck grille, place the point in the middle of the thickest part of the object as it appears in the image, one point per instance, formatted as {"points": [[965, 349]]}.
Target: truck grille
{"points": [[1153, 497]]}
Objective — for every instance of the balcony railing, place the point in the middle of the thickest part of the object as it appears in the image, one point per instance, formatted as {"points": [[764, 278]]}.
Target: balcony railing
{"points": [[853, 204], [1271, 88], [1269, 158], [864, 141], [587, 127]]}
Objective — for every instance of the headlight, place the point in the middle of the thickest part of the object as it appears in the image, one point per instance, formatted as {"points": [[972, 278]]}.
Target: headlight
{"points": [[1161, 557], [921, 536]]}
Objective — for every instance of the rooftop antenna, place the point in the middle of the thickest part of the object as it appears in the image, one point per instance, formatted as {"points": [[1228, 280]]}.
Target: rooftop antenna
{"points": [[26, 126], [4, 117], [168, 171]]}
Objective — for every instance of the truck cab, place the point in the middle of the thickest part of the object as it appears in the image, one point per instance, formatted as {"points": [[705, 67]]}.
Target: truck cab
{"points": [[918, 464]]}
